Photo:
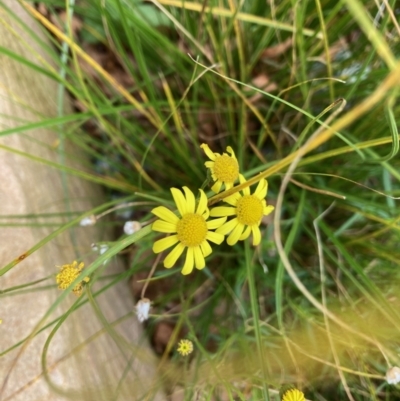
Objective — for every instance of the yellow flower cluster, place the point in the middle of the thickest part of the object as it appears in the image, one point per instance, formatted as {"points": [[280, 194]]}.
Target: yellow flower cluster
{"points": [[192, 230], [68, 275]]}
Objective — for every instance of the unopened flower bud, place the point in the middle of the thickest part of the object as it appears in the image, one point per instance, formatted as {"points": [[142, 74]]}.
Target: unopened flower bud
{"points": [[131, 227], [143, 309], [88, 221], [393, 375]]}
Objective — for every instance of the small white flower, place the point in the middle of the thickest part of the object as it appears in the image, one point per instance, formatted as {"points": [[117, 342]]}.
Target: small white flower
{"points": [[142, 309], [100, 248], [103, 248], [393, 375], [88, 221], [130, 227]]}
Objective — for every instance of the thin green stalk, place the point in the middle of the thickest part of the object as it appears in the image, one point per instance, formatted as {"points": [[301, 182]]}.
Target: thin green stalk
{"points": [[255, 312], [60, 113]]}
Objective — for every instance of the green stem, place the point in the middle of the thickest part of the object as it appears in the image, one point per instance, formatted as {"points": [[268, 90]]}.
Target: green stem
{"points": [[254, 309]]}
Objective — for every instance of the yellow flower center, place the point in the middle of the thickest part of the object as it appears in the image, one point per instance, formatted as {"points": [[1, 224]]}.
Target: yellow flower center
{"points": [[249, 210], [185, 347], [226, 168], [191, 229]]}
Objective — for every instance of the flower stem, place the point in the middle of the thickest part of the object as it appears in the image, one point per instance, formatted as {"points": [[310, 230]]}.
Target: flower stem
{"points": [[254, 309]]}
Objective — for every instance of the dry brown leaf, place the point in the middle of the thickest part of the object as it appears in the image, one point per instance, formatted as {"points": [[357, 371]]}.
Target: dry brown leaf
{"points": [[277, 50], [262, 81], [42, 8]]}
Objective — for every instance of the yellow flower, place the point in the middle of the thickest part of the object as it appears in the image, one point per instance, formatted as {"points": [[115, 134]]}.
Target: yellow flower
{"points": [[191, 230], [293, 395], [224, 168], [67, 276], [248, 211], [185, 347]]}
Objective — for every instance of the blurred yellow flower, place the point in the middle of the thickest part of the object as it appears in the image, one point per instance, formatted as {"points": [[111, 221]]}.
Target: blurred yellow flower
{"points": [[191, 230], [248, 210], [293, 395], [67, 276], [224, 168], [185, 347]]}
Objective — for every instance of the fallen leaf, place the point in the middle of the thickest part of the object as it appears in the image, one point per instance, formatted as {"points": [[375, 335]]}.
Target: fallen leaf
{"points": [[277, 50]]}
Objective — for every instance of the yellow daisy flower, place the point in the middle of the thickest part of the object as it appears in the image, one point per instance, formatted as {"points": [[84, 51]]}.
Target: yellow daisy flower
{"points": [[191, 230], [67, 276], [185, 347], [248, 211], [293, 395], [224, 168]]}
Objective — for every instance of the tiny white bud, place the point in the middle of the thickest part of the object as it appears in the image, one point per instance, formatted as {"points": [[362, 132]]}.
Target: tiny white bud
{"points": [[103, 248], [142, 309], [130, 227], [88, 221], [393, 375], [95, 247]]}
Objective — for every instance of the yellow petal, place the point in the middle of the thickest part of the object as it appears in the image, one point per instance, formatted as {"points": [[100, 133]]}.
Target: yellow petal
{"points": [[180, 201], [242, 180], [206, 214], [262, 188], [293, 395], [217, 238], [245, 234], [268, 209], [206, 248], [208, 151], [202, 206], [216, 187], [189, 262], [222, 211], [165, 243], [213, 224], [209, 165], [163, 227], [227, 227], [173, 256], [232, 200], [230, 150], [190, 200], [235, 234], [256, 235], [165, 214], [199, 258]]}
